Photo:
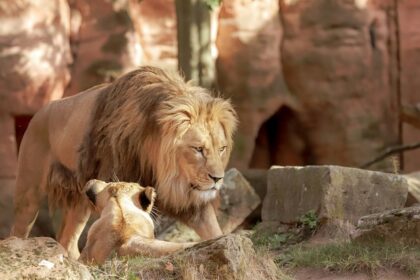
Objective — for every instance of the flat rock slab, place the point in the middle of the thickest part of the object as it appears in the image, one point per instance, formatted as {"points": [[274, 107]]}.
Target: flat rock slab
{"points": [[237, 201], [257, 178], [397, 225], [227, 257], [334, 192], [413, 180], [38, 258]]}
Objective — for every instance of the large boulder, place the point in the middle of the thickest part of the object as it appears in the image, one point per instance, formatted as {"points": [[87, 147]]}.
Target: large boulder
{"points": [[34, 54], [338, 59], [38, 258], [34, 58], [334, 192], [249, 67], [155, 24], [226, 257], [409, 59], [238, 201], [104, 41], [397, 225], [257, 178], [413, 180]]}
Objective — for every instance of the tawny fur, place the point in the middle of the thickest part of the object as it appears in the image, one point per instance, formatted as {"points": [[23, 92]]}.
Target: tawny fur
{"points": [[148, 126], [125, 225]]}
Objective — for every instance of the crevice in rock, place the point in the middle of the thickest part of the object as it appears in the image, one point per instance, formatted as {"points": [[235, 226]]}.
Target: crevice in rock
{"points": [[21, 124]]}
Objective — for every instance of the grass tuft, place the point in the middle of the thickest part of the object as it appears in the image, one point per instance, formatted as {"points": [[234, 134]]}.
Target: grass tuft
{"points": [[271, 241], [354, 257]]}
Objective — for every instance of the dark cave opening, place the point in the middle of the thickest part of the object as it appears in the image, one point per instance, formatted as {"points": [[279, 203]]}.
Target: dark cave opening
{"points": [[280, 141]]}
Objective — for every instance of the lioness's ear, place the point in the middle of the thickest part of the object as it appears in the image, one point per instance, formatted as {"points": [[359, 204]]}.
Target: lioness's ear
{"points": [[92, 188], [147, 199]]}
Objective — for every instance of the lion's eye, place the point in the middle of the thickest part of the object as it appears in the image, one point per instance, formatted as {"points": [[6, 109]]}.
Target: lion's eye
{"points": [[222, 149], [198, 149]]}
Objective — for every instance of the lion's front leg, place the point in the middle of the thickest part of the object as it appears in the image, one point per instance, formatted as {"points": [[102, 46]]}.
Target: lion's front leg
{"points": [[74, 221], [206, 224], [139, 246]]}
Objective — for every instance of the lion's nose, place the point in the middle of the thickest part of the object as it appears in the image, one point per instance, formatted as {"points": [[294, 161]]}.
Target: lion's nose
{"points": [[215, 179]]}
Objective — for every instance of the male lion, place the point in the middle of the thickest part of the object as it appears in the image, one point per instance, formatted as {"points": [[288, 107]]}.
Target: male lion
{"points": [[125, 224], [149, 127]]}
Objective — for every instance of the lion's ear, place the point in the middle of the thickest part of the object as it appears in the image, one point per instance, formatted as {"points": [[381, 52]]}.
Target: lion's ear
{"points": [[92, 188], [147, 199]]}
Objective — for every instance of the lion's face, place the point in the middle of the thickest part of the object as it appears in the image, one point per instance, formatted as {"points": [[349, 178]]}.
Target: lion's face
{"points": [[202, 155]]}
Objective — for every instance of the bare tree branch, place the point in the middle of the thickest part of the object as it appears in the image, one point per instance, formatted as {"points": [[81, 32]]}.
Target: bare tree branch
{"points": [[391, 151]]}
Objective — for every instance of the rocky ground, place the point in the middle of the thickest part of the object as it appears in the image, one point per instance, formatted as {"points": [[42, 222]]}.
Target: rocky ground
{"points": [[320, 222]]}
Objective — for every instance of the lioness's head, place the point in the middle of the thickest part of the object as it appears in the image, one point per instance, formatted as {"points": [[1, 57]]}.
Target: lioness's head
{"points": [[100, 192], [199, 149]]}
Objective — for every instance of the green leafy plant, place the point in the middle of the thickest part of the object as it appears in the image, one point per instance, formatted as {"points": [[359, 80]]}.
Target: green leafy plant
{"points": [[309, 220]]}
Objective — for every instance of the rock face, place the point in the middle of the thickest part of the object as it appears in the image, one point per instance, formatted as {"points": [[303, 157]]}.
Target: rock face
{"points": [[249, 68], [34, 54], [38, 258], [237, 201], [408, 21], [8, 148], [105, 43], [34, 58], [339, 60], [6, 206], [397, 225], [334, 192], [155, 24], [227, 257], [257, 178]]}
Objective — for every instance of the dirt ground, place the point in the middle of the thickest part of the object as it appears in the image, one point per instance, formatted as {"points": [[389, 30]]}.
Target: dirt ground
{"points": [[318, 274]]}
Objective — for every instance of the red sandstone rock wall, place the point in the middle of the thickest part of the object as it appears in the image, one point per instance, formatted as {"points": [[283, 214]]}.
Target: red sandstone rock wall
{"points": [[316, 81], [104, 43], [249, 67], [155, 24], [34, 55], [409, 31], [338, 62]]}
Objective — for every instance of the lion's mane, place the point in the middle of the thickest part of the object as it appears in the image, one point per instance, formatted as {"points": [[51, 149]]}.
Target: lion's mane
{"points": [[136, 124]]}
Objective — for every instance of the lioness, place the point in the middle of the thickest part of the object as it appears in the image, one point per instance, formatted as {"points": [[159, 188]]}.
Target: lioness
{"points": [[149, 127], [125, 224]]}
